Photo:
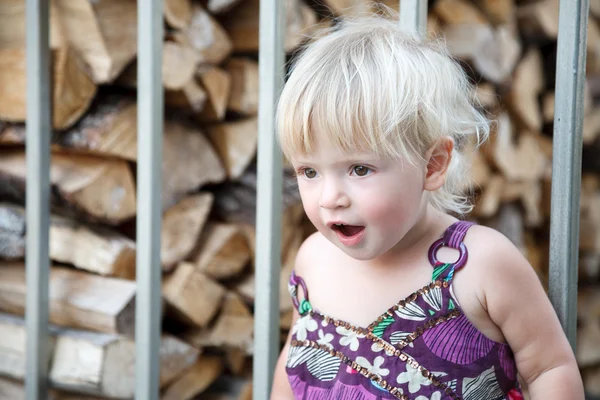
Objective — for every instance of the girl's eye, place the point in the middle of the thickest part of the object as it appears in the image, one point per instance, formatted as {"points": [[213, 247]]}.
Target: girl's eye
{"points": [[309, 173], [361, 170]]}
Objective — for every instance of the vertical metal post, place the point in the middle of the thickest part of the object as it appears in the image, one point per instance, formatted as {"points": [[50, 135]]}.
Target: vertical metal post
{"points": [[149, 208], [413, 16], [566, 162], [269, 200], [37, 203]]}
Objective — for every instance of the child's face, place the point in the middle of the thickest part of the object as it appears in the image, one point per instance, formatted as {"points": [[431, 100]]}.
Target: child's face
{"points": [[363, 204]]}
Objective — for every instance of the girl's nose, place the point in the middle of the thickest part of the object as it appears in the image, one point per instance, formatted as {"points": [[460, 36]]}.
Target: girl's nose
{"points": [[333, 196]]}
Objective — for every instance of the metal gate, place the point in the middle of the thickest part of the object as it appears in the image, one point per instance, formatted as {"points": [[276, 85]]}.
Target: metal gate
{"points": [[566, 180]]}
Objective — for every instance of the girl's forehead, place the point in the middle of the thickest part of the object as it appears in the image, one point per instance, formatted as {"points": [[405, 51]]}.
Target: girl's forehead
{"points": [[334, 155]]}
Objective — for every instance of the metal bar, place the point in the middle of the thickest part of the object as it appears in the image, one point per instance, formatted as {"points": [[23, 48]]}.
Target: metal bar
{"points": [[566, 162], [37, 203], [413, 16], [149, 206], [269, 200]]}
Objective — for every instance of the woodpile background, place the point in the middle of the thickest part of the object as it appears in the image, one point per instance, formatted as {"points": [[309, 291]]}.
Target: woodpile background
{"points": [[210, 138]]}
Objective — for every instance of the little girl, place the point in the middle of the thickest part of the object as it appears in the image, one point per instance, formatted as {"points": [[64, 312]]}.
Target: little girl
{"points": [[394, 297]]}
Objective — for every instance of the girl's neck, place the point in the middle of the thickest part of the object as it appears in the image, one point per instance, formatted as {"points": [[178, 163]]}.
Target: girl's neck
{"points": [[429, 224]]}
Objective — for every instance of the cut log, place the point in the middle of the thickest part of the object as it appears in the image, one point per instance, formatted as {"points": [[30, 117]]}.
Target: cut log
{"points": [[13, 390], [486, 95], [234, 305], [591, 126], [95, 249], [109, 128], [179, 65], [229, 331], [521, 161], [236, 201], [591, 381], [222, 251], [243, 96], [89, 362], [499, 12], [530, 195], [233, 329], [217, 84], [480, 170], [525, 89], [548, 108], [12, 232], [72, 88], [104, 365], [98, 250], [539, 20], [289, 263], [13, 352], [221, 6], [195, 380], [93, 188], [13, 28], [192, 294], [595, 8], [242, 25], [593, 48], [181, 228], [206, 36], [349, 7], [493, 52], [178, 13], [458, 12], [588, 333], [589, 232], [236, 360], [189, 161], [489, 202], [190, 97], [77, 299], [103, 32], [236, 143]]}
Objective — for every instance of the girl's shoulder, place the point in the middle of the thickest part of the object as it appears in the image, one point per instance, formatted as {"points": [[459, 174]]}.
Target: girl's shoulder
{"points": [[314, 251], [490, 249]]}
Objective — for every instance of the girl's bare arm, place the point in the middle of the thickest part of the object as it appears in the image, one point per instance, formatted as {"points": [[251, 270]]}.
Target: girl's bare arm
{"points": [[516, 301]]}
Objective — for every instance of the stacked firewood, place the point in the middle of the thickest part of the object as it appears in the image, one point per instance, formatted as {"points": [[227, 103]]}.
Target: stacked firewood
{"points": [[210, 79]]}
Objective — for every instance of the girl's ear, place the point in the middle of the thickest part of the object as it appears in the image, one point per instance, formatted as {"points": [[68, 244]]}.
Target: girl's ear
{"points": [[438, 159]]}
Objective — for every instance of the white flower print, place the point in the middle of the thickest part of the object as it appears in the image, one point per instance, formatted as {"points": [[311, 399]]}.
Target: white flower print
{"points": [[376, 367], [304, 324], [435, 396], [349, 337], [324, 323], [414, 378], [325, 339]]}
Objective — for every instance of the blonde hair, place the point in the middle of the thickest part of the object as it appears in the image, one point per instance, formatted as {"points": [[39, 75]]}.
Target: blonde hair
{"points": [[368, 85]]}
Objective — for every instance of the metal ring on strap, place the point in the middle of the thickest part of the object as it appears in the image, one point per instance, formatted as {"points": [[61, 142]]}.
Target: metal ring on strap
{"points": [[462, 249]]}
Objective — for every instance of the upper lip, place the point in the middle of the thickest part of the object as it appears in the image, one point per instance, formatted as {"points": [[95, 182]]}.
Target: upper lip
{"points": [[332, 223]]}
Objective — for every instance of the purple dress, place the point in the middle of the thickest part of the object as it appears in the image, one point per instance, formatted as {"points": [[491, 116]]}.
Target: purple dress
{"points": [[422, 348]]}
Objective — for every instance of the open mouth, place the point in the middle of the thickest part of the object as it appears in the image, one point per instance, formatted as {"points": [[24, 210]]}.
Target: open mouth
{"points": [[347, 230], [349, 235]]}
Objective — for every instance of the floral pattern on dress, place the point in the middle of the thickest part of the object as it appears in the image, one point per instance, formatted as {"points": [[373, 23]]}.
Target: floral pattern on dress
{"points": [[349, 338], [422, 348], [304, 325]]}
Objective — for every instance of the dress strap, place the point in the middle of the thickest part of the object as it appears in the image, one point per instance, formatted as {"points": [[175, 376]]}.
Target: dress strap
{"points": [[453, 237], [303, 306]]}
